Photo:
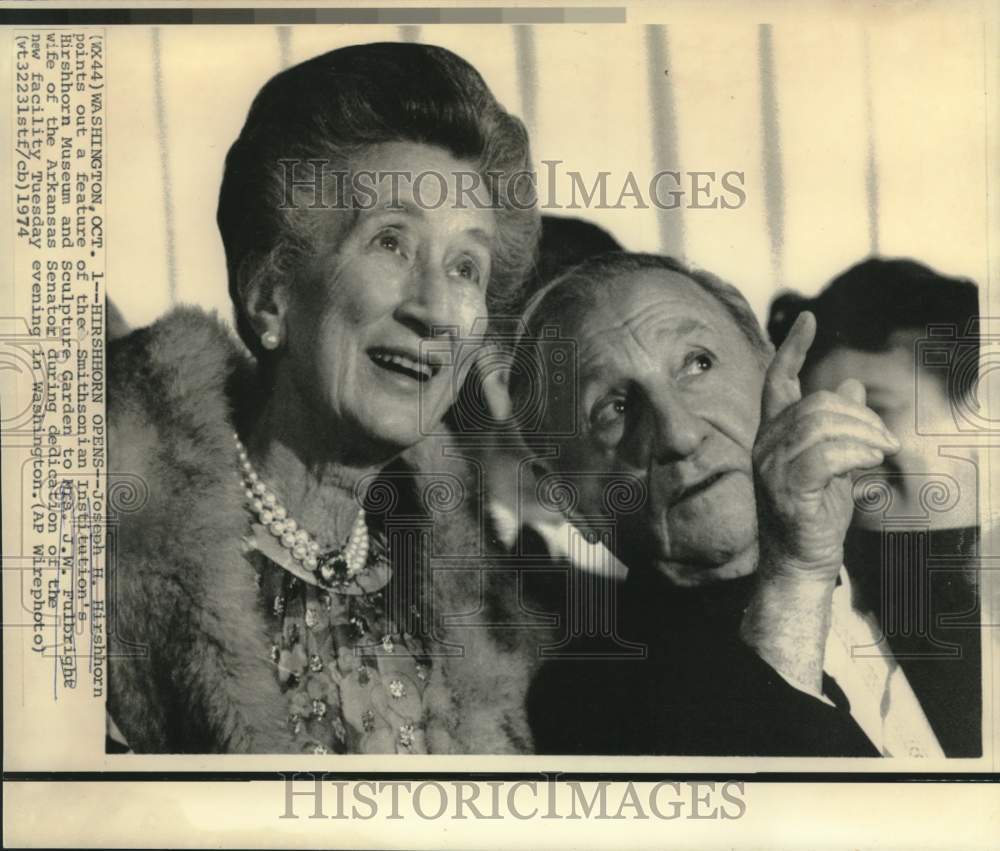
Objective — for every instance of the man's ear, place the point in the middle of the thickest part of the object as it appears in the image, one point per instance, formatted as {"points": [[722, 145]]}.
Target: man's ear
{"points": [[266, 305]]}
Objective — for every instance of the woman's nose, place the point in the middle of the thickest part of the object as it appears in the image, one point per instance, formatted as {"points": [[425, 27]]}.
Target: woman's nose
{"points": [[426, 302]]}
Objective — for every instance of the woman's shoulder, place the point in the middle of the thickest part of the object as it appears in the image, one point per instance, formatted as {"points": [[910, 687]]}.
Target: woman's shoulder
{"points": [[183, 588], [180, 377], [170, 436], [189, 350]]}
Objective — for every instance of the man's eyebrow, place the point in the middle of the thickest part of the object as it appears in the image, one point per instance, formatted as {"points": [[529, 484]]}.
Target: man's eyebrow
{"points": [[599, 361], [684, 326]]}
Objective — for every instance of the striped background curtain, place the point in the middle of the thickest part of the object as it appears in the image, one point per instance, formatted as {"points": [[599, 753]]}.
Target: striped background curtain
{"points": [[850, 140]]}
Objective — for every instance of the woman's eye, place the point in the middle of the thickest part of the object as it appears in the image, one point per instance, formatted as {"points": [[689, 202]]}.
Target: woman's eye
{"points": [[467, 270], [389, 240]]}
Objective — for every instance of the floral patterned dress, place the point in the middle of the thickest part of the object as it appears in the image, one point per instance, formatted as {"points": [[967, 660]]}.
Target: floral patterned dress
{"points": [[348, 656]]}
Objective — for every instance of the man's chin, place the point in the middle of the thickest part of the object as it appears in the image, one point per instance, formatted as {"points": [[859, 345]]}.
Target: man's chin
{"points": [[690, 568], [718, 559]]}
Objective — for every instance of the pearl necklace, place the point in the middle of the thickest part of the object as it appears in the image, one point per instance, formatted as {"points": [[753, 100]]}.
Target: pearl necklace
{"points": [[330, 567]]}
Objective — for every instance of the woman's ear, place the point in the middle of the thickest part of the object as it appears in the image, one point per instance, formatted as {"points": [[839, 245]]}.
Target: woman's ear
{"points": [[266, 304]]}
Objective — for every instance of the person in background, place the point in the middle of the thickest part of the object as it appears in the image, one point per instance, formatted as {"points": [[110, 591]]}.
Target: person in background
{"points": [[910, 335], [565, 242]]}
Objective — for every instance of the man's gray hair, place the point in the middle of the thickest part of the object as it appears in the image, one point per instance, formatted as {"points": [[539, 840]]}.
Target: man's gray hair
{"points": [[577, 286], [561, 302]]}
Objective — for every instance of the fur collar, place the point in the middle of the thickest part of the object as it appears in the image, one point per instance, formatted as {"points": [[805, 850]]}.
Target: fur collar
{"points": [[190, 663]]}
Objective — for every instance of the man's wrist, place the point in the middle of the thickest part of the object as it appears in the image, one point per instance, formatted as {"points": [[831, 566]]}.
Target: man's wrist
{"points": [[787, 623], [781, 566]]}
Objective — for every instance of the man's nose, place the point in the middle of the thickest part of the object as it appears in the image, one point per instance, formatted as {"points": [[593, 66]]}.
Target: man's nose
{"points": [[678, 429]]}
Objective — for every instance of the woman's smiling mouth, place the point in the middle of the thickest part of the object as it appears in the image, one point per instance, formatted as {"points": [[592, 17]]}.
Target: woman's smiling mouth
{"points": [[404, 363]]}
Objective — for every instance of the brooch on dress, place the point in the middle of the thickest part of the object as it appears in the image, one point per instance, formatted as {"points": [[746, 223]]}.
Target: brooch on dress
{"points": [[337, 568]]}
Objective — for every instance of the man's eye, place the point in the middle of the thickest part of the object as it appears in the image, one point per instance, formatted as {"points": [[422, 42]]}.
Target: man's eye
{"points": [[608, 413], [698, 362]]}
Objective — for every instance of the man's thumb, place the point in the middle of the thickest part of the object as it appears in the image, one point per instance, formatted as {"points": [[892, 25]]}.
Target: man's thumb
{"points": [[852, 390]]}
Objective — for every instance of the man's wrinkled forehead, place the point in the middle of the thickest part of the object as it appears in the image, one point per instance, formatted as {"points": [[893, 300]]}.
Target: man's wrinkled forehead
{"points": [[643, 311]]}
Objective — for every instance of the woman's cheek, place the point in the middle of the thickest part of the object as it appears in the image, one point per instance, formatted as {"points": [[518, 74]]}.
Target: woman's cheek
{"points": [[346, 306], [366, 286], [470, 306]]}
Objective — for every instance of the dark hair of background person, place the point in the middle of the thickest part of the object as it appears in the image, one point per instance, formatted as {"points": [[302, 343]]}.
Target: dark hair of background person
{"points": [[335, 106], [864, 306], [567, 241]]}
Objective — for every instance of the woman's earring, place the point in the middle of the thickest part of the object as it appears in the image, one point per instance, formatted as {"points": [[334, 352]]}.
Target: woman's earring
{"points": [[269, 340]]}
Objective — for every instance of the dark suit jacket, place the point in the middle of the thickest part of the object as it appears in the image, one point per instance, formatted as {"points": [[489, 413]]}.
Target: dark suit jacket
{"points": [[922, 584], [669, 675]]}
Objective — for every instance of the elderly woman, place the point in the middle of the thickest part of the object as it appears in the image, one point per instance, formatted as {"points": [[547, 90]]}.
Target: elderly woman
{"points": [[272, 585]]}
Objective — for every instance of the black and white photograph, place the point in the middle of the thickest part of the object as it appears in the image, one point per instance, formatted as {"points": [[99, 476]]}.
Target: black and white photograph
{"points": [[524, 390]]}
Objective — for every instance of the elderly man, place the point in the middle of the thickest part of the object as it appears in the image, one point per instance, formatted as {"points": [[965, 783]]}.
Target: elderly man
{"points": [[677, 391]]}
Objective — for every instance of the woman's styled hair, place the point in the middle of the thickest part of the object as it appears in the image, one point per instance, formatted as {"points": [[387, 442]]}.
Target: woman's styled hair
{"points": [[866, 304], [333, 107]]}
